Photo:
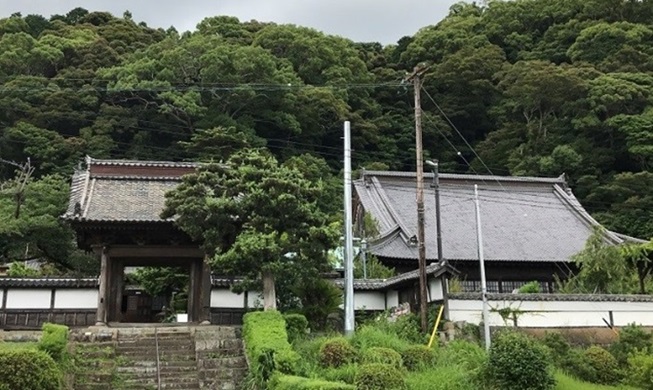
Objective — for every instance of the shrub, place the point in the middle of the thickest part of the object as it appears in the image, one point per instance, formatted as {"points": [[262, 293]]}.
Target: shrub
{"points": [[530, 288], [288, 382], [640, 371], [417, 357], [604, 364], [28, 369], [379, 376], [382, 355], [267, 344], [632, 339], [336, 352], [577, 365], [296, 326], [368, 336], [518, 362], [406, 327], [558, 346], [54, 340]]}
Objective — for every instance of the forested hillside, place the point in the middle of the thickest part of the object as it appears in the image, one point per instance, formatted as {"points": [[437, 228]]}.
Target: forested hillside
{"points": [[536, 87]]}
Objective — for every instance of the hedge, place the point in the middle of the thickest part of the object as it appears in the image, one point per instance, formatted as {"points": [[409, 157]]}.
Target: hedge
{"points": [[267, 346], [288, 382], [379, 376], [296, 326], [54, 340], [28, 369]]}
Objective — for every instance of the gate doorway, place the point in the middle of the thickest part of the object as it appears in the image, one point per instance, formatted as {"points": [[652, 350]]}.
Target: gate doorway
{"points": [[155, 295]]}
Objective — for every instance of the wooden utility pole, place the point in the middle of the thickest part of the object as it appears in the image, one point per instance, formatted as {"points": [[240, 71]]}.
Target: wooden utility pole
{"points": [[417, 86]]}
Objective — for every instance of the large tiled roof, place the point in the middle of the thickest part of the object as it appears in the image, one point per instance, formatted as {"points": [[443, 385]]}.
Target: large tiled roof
{"points": [[522, 218], [433, 270], [123, 190]]}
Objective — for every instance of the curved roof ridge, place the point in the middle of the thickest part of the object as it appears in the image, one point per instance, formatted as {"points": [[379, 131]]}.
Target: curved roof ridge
{"points": [[388, 204], [140, 163], [570, 200], [463, 176]]}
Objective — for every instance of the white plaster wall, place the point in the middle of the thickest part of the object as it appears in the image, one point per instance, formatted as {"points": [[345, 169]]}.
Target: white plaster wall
{"points": [[254, 299], [28, 298], [369, 300], [392, 299], [435, 290], [75, 298], [556, 313], [224, 297]]}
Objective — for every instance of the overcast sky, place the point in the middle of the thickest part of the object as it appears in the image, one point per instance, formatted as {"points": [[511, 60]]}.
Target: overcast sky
{"points": [[382, 21]]}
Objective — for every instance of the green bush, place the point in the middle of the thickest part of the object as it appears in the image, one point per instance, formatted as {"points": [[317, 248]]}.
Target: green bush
{"points": [[417, 357], [405, 327], [379, 376], [632, 339], [558, 347], [368, 336], [296, 326], [530, 288], [288, 382], [604, 364], [382, 355], [28, 369], [336, 352], [266, 340], [577, 365], [640, 371], [518, 362], [54, 340]]}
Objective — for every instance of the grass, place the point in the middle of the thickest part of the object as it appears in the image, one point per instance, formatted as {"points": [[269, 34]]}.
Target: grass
{"points": [[565, 382], [442, 378]]}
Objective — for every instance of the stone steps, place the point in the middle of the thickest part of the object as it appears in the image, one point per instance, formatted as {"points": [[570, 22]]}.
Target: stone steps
{"points": [[201, 358]]}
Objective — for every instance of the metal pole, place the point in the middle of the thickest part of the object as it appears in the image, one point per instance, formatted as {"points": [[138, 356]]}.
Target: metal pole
{"points": [[364, 257], [479, 238], [438, 220], [438, 229], [421, 249], [349, 244]]}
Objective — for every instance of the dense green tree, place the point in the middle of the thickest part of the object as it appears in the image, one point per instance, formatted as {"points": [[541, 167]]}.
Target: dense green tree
{"points": [[255, 218]]}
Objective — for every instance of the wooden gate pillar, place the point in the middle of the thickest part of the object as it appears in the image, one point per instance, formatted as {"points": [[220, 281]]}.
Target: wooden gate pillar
{"points": [[101, 313], [205, 292]]}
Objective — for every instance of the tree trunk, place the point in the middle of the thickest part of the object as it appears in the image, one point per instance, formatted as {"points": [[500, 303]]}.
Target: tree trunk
{"points": [[269, 293], [641, 275]]}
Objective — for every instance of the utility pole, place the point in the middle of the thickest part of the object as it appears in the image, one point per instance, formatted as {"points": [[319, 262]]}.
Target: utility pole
{"points": [[438, 224], [349, 238], [435, 166], [479, 238], [364, 257], [421, 249]]}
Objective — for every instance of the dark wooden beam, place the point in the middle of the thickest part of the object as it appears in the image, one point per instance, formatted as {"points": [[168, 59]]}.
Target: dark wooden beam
{"points": [[157, 251]]}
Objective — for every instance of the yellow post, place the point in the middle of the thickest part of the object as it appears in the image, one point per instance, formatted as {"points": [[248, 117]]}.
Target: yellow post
{"points": [[435, 328]]}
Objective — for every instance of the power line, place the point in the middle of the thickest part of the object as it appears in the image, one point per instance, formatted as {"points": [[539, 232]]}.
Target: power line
{"points": [[453, 126]]}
